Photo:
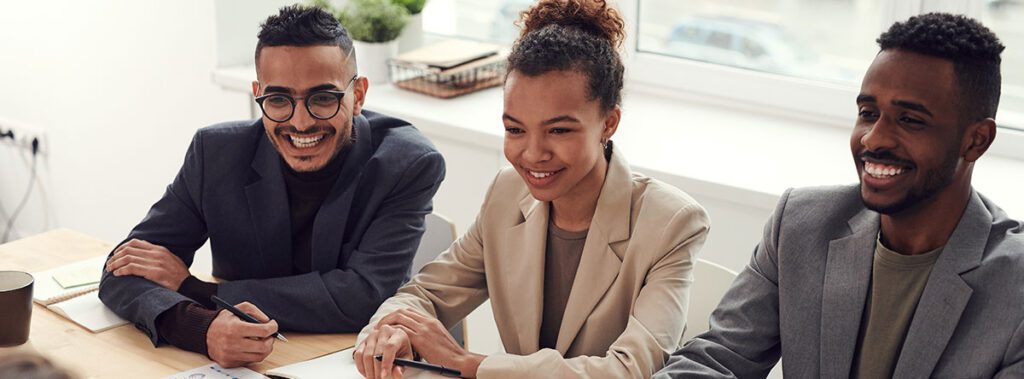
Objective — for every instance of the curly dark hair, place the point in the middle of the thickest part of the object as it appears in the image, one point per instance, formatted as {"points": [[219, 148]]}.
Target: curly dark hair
{"points": [[298, 25], [973, 49], [573, 35]]}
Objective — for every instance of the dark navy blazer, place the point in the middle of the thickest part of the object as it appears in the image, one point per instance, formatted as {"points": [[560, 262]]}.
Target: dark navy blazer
{"points": [[230, 190]]}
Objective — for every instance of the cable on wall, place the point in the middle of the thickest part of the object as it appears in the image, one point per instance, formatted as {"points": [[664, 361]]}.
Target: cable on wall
{"points": [[28, 193]]}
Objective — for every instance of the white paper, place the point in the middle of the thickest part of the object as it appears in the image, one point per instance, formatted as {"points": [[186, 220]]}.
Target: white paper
{"points": [[337, 365], [89, 312], [214, 371]]}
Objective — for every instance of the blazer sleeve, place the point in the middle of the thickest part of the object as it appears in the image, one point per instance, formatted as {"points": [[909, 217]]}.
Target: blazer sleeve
{"points": [[1013, 361], [342, 300], [655, 324], [174, 222], [448, 288], [743, 341]]}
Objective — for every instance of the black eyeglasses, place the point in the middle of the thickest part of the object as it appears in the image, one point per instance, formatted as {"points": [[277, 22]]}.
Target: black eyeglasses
{"points": [[322, 105]]}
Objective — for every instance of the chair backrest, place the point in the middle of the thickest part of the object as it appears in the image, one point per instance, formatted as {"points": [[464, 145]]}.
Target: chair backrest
{"points": [[438, 235], [710, 282]]}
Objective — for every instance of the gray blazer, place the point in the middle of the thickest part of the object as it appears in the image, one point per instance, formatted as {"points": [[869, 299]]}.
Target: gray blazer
{"points": [[230, 190], [803, 294]]}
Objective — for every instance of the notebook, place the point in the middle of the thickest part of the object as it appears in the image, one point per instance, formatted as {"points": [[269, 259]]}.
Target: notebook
{"points": [[215, 371], [71, 291], [448, 54], [337, 365]]}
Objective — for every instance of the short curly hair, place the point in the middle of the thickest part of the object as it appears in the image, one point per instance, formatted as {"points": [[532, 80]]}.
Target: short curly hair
{"points": [[299, 25], [973, 49], [573, 35]]}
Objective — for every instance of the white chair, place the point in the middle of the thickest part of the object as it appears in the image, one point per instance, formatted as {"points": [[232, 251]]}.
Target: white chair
{"points": [[710, 281], [438, 235]]}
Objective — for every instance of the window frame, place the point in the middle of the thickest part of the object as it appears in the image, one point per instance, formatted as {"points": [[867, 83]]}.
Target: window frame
{"points": [[831, 104]]}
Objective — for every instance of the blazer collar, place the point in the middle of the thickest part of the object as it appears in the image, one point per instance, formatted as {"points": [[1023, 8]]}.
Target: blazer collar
{"points": [[946, 294], [847, 269], [268, 204], [599, 264]]}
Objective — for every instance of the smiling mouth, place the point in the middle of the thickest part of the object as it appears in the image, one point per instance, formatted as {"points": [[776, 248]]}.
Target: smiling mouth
{"points": [[542, 174], [884, 171], [305, 142]]}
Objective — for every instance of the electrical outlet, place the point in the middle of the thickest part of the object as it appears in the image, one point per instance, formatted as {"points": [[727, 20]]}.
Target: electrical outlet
{"points": [[23, 135]]}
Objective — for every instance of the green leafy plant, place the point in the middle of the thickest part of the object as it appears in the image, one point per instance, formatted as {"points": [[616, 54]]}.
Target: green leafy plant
{"points": [[373, 21], [413, 6], [322, 4]]}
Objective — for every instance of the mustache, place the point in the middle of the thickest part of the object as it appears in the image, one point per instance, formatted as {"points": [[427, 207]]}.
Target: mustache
{"points": [[316, 129], [887, 157]]}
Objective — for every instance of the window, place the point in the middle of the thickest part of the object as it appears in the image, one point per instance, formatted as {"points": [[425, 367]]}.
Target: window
{"points": [[804, 58], [1005, 17], [795, 38], [485, 20]]}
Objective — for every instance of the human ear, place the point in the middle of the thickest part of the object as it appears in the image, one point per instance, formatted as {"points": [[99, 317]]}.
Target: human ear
{"points": [[977, 138]]}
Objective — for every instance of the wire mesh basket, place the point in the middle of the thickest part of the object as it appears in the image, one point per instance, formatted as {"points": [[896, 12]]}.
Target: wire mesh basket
{"points": [[449, 83]]}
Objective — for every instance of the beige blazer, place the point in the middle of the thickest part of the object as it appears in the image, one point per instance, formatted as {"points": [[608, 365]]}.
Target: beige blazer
{"points": [[627, 308]]}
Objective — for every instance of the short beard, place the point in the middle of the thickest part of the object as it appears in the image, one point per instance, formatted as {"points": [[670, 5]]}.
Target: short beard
{"points": [[934, 182]]}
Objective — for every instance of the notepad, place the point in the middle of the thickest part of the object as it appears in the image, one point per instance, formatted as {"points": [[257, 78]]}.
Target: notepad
{"points": [[215, 371], [337, 365], [70, 291]]}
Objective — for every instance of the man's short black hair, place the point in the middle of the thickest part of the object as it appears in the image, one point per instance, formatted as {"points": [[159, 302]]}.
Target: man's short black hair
{"points": [[298, 25], [973, 49]]}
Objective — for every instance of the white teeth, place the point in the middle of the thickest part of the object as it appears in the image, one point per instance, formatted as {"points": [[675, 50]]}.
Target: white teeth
{"points": [[305, 142], [881, 171], [541, 175]]}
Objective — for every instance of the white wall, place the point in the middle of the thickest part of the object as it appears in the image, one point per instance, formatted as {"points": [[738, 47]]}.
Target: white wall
{"points": [[119, 87]]}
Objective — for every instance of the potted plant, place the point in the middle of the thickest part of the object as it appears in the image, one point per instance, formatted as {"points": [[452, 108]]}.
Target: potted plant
{"points": [[412, 35], [374, 26]]}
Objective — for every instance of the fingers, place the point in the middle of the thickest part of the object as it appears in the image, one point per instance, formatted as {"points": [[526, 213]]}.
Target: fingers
{"points": [[401, 319], [369, 349], [390, 349], [253, 311], [358, 355], [136, 269], [124, 259]]}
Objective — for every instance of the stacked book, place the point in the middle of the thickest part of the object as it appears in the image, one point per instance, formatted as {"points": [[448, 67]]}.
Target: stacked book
{"points": [[450, 68]]}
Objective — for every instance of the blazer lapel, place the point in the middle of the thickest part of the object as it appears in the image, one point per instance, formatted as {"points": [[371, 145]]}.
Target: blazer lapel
{"points": [[847, 270], [332, 217], [946, 294], [268, 208], [600, 263], [523, 273]]}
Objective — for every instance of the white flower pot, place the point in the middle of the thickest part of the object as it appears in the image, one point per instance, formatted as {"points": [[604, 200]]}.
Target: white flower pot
{"points": [[412, 36], [372, 59]]}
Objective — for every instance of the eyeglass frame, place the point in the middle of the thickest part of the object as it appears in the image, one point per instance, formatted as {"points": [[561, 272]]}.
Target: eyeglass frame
{"points": [[305, 100]]}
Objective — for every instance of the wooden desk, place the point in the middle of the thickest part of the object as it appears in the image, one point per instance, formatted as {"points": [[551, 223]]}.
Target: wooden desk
{"points": [[123, 352]]}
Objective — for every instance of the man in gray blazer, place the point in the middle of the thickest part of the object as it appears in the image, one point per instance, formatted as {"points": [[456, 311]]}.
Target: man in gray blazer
{"points": [[313, 212], [912, 273]]}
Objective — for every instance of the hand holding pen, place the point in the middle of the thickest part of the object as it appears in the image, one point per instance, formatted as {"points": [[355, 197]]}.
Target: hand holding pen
{"points": [[234, 341]]}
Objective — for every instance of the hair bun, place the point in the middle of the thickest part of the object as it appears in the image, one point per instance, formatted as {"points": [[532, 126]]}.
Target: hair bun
{"points": [[592, 16]]}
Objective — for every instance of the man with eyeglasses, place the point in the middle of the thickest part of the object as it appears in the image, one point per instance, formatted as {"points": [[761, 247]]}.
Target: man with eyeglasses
{"points": [[313, 212]]}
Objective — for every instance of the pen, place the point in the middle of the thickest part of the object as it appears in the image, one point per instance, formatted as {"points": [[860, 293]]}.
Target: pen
{"points": [[242, 315], [444, 371]]}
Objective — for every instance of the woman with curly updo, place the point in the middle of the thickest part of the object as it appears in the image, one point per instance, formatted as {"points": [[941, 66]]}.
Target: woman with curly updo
{"points": [[586, 263]]}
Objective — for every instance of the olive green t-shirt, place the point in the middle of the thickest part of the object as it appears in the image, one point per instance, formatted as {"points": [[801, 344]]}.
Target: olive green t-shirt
{"points": [[897, 282], [561, 259]]}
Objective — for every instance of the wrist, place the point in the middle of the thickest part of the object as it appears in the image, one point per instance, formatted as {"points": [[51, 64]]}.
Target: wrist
{"points": [[469, 363]]}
